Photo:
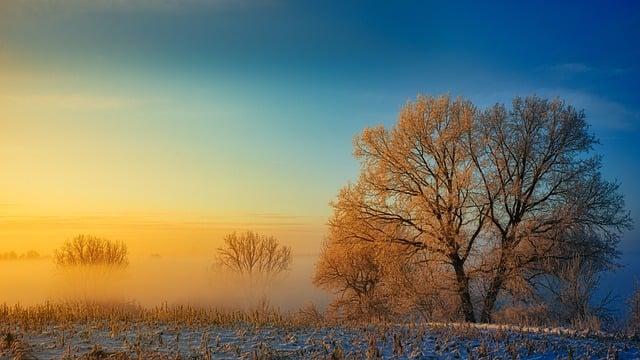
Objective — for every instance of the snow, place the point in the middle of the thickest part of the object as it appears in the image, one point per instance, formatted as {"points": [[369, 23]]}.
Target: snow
{"points": [[441, 341]]}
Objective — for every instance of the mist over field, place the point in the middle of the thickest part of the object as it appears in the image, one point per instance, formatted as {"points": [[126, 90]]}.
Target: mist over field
{"points": [[153, 281], [161, 268]]}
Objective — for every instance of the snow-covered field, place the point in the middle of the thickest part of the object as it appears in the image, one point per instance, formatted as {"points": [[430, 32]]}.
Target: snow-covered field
{"points": [[157, 341]]}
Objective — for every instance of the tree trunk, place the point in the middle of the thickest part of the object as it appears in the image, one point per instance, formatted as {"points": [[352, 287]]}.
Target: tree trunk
{"points": [[463, 289], [492, 294]]}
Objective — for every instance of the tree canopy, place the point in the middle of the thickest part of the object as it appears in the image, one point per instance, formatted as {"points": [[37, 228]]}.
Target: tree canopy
{"points": [[494, 199]]}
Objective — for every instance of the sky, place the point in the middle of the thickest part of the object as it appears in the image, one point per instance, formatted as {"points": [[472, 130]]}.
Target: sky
{"points": [[176, 122]]}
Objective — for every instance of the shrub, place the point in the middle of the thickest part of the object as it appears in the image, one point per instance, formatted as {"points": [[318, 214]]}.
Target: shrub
{"points": [[88, 250], [254, 255]]}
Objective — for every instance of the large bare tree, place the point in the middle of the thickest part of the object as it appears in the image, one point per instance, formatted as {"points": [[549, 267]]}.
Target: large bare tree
{"points": [[494, 196]]}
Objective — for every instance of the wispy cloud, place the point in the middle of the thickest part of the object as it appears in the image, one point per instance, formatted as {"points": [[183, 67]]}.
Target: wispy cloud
{"points": [[601, 112], [274, 216], [578, 68], [575, 68], [72, 101], [159, 218]]}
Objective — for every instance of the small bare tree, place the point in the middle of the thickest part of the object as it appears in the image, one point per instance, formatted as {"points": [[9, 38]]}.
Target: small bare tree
{"points": [[355, 273], [373, 278], [254, 255], [88, 250], [572, 287]]}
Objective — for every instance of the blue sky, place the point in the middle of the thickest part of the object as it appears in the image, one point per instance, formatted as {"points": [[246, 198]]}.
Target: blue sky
{"points": [[272, 92]]}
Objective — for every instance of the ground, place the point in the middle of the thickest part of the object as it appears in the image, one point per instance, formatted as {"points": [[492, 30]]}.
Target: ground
{"points": [[135, 341]]}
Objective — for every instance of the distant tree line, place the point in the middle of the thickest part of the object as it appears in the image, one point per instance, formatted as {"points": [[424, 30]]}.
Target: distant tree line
{"points": [[12, 255], [464, 213]]}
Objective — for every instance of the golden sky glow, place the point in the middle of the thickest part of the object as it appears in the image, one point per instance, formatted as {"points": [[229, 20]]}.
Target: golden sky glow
{"points": [[79, 158]]}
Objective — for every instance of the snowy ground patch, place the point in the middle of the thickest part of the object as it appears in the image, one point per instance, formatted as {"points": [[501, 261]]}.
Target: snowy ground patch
{"points": [[158, 341]]}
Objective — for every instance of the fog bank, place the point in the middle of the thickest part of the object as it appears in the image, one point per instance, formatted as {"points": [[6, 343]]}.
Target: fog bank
{"points": [[152, 281]]}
